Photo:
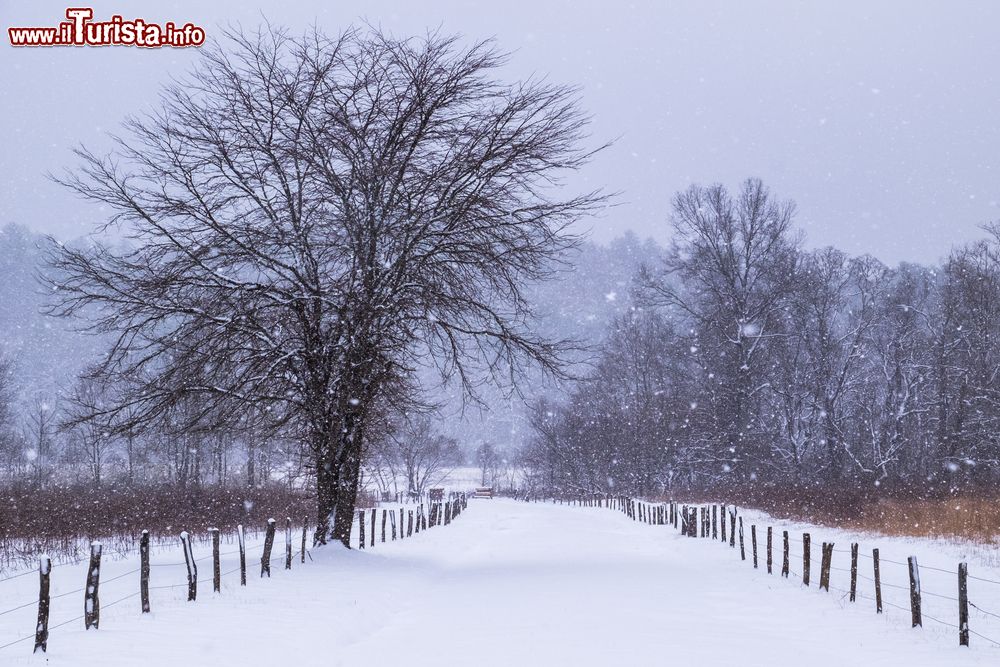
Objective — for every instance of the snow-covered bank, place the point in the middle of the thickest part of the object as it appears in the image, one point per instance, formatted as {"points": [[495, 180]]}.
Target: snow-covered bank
{"points": [[508, 583]]}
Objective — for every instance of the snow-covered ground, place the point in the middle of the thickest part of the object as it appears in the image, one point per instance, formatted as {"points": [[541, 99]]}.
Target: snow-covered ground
{"points": [[506, 583]]}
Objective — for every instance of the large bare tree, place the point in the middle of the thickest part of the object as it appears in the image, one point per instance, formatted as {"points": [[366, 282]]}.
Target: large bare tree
{"points": [[311, 220]]}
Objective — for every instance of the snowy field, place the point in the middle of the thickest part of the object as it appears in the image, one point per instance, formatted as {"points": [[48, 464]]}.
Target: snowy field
{"points": [[507, 583]]}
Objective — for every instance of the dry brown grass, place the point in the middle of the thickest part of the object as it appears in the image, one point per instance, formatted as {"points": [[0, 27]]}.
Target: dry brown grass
{"points": [[967, 518], [974, 518], [61, 521]]}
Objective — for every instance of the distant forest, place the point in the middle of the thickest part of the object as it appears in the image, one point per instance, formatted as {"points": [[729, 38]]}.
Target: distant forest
{"points": [[748, 361]]}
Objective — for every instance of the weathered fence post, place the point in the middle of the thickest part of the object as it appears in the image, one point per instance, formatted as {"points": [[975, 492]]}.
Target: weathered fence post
{"points": [[963, 604], [385, 517], [409, 523], [854, 571], [361, 529], [753, 543], [770, 541], [805, 558], [288, 543], [392, 522], [400, 523], [784, 563], [144, 571], [878, 582], [915, 615], [305, 527], [722, 521], [192, 567], [42, 627], [715, 522], [91, 599], [447, 514], [265, 558], [216, 566], [374, 517], [824, 568], [743, 552], [732, 528], [242, 540]]}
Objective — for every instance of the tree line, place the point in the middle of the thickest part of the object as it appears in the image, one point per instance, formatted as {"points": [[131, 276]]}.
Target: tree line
{"points": [[749, 361]]}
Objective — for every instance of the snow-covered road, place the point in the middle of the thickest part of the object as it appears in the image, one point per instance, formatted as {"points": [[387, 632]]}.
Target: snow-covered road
{"points": [[508, 583]]}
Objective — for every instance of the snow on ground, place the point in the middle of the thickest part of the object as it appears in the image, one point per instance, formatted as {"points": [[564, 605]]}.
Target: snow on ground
{"points": [[508, 583]]}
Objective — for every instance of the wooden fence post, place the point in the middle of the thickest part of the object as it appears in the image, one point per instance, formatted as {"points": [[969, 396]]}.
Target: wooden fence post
{"points": [[91, 599], [265, 558], [715, 522], [963, 604], [805, 558], [144, 571], [361, 529], [400, 523], [753, 543], [374, 518], [878, 582], [743, 552], [722, 520], [242, 540], [854, 571], [288, 543], [824, 568], [305, 527], [732, 528], [192, 567], [915, 615], [392, 522], [216, 566], [42, 627], [784, 563], [385, 517], [770, 541], [447, 514], [409, 523]]}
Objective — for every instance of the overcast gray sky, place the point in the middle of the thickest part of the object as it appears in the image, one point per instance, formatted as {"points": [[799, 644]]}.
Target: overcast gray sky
{"points": [[879, 118]]}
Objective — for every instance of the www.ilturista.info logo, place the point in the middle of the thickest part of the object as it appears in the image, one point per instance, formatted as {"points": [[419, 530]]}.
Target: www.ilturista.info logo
{"points": [[80, 30]]}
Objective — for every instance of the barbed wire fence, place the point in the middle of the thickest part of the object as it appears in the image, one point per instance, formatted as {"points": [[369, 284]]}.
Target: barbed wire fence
{"points": [[794, 557], [411, 521]]}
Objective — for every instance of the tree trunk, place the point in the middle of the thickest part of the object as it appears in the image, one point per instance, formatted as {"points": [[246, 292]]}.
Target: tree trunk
{"points": [[326, 485], [338, 473], [349, 470]]}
